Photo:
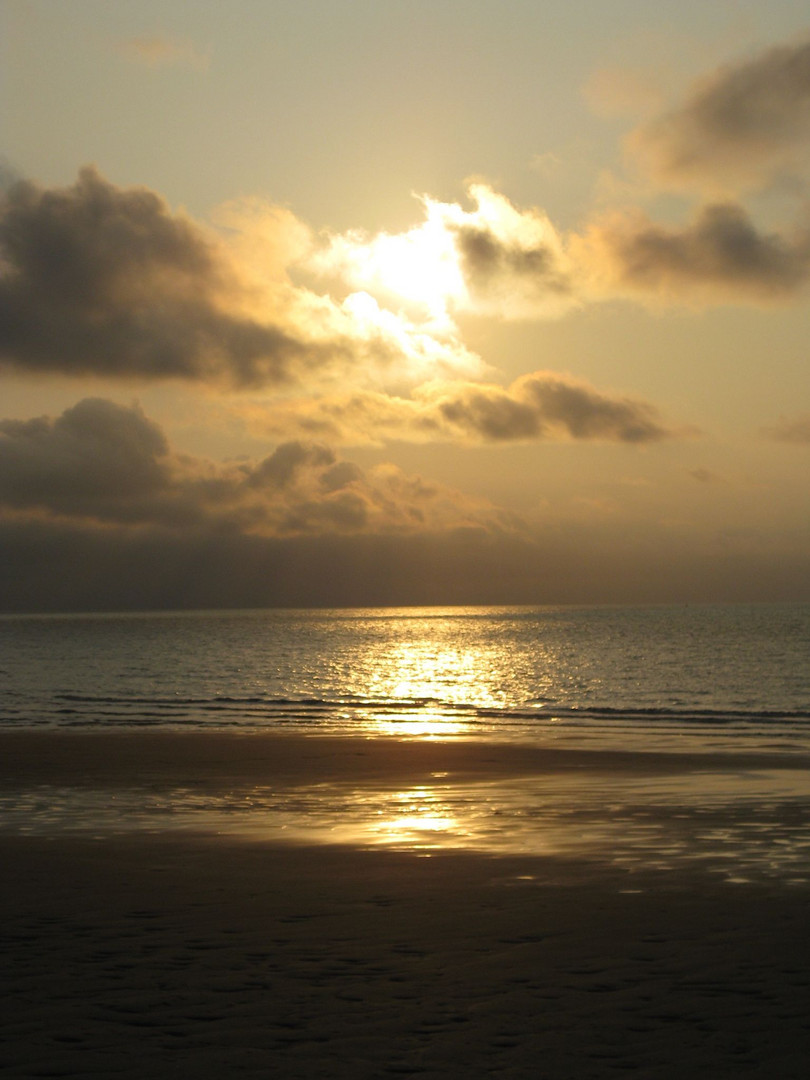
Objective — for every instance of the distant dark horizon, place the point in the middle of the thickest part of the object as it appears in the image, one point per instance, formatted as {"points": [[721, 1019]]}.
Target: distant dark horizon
{"points": [[88, 571]]}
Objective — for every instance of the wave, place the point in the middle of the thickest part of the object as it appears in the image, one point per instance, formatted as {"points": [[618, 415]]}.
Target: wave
{"points": [[350, 705]]}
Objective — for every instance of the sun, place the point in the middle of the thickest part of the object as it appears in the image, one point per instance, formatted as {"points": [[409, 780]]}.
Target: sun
{"points": [[417, 271], [419, 267]]}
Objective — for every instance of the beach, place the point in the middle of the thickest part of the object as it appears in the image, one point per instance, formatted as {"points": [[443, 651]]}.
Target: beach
{"points": [[165, 950], [405, 540]]}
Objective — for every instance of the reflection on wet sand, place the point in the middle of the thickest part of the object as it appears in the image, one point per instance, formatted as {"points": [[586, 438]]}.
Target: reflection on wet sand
{"points": [[740, 825], [416, 819]]}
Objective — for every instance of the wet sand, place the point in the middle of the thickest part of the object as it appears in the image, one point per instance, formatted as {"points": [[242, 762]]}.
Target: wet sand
{"points": [[169, 954]]}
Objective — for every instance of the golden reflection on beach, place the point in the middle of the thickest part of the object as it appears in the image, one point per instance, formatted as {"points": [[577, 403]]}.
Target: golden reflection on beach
{"points": [[742, 823], [414, 819]]}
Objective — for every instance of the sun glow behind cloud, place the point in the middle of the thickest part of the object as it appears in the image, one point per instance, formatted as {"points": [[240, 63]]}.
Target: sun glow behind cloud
{"points": [[494, 260], [418, 269]]}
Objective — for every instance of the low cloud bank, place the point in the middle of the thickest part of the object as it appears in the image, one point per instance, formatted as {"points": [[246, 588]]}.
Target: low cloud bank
{"points": [[59, 565], [99, 512], [107, 463]]}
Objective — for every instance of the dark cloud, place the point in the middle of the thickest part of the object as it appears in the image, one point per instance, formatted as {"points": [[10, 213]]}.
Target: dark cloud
{"points": [[540, 406], [107, 463], [740, 126], [493, 264], [100, 280], [9, 174], [790, 430], [287, 461], [96, 453], [703, 475], [720, 256], [512, 261], [583, 413]]}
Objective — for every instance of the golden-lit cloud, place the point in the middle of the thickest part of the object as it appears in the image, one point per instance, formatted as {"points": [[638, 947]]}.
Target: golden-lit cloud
{"points": [[539, 406], [110, 464], [495, 260], [97, 280], [719, 256], [504, 262], [107, 281], [740, 127]]}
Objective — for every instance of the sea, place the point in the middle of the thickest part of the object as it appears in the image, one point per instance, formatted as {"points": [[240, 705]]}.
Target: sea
{"points": [[729, 682], [639, 678]]}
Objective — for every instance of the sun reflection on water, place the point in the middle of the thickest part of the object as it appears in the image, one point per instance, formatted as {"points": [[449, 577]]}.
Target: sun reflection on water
{"points": [[428, 668], [423, 725]]}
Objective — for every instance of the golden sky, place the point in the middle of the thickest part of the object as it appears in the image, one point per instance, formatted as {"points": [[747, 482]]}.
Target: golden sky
{"points": [[349, 303]]}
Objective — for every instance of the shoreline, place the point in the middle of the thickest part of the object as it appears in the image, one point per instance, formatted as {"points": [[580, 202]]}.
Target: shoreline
{"points": [[40, 754]]}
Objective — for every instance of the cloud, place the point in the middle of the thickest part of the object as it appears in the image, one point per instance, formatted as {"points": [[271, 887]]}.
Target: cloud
{"points": [[156, 51], [738, 128], [741, 128], [95, 454], [100, 280], [97, 280], [495, 260], [504, 262], [794, 429], [705, 476], [513, 261], [539, 406], [719, 256], [109, 464], [99, 512], [9, 174]]}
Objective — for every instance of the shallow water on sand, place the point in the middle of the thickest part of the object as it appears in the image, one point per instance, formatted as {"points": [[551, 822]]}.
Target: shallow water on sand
{"points": [[742, 825]]}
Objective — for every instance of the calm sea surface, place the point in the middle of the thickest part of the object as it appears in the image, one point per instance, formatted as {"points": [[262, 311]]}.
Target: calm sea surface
{"points": [[633, 678]]}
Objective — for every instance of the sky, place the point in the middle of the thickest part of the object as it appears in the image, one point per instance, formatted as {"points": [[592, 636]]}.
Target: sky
{"points": [[347, 303]]}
